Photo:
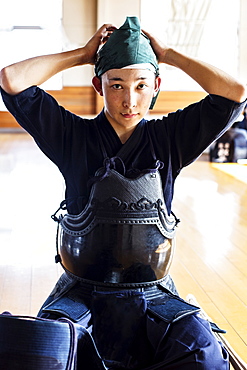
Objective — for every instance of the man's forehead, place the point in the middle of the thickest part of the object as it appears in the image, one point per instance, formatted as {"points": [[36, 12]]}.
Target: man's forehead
{"points": [[129, 73]]}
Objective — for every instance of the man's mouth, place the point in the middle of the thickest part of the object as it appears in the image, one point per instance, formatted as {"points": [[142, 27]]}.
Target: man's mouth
{"points": [[129, 115]]}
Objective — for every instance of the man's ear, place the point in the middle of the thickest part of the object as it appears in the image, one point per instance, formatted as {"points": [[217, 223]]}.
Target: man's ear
{"points": [[96, 81], [157, 85]]}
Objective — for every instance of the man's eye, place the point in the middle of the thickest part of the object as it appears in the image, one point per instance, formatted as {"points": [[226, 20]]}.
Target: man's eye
{"points": [[141, 86], [117, 87]]}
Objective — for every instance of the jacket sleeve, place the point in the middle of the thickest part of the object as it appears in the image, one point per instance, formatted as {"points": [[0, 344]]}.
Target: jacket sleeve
{"points": [[44, 119], [194, 128]]}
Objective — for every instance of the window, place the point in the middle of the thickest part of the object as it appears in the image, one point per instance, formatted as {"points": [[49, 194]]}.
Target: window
{"points": [[205, 29], [29, 28]]}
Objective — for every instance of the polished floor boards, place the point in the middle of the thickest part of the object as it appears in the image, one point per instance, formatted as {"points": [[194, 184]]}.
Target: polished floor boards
{"points": [[211, 253]]}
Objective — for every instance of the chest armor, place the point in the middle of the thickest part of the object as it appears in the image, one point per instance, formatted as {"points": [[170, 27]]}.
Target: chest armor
{"points": [[123, 235]]}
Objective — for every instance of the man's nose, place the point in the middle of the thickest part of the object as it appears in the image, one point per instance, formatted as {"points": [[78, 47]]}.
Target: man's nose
{"points": [[129, 99]]}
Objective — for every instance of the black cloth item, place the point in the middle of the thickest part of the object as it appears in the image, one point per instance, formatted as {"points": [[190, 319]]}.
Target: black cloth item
{"points": [[29, 343]]}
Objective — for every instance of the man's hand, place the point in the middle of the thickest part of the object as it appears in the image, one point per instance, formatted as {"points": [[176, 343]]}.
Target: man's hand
{"points": [[98, 39], [212, 79], [159, 48]]}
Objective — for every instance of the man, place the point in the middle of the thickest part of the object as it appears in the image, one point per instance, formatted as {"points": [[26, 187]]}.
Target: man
{"points": [[232, 145], [117, 239]]}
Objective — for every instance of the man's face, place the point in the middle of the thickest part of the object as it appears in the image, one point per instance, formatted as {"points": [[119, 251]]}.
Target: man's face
{"points": [[127, 95]]}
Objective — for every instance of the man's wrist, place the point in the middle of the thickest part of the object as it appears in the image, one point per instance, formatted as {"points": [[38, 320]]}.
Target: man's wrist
{"points": [[169, 57]]}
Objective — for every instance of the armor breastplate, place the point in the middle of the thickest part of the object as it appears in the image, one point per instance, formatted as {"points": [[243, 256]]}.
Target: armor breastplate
{"points": [[123, 235]]}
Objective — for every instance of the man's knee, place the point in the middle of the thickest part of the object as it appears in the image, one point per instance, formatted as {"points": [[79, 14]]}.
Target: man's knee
{"points": [[213, 357], [191, 345], [209, 352]]}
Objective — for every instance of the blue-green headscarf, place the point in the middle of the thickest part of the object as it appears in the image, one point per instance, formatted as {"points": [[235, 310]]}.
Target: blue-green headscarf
{"points": [[126, 46]]}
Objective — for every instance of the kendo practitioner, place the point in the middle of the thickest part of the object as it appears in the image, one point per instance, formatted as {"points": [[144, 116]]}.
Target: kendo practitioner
{"points": [[116, 228]]}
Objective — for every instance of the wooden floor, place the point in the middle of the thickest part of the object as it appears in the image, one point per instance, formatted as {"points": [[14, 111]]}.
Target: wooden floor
{"points": [[211, 254]]}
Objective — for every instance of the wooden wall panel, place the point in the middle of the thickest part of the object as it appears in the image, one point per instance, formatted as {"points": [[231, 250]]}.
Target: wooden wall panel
{"points": [[79, 100], [7, 121], [170, 101]]}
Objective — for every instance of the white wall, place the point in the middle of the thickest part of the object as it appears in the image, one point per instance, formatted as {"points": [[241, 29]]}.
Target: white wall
{"points": [[79, 24], [243, 42], [113, 11], [24, 34]]}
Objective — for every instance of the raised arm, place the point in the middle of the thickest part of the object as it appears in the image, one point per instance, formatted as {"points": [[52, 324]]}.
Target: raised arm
{"points": [[34, 71], [212, 79]]}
